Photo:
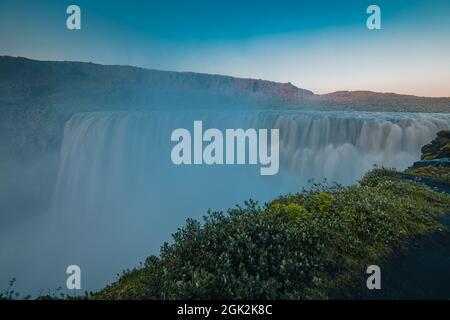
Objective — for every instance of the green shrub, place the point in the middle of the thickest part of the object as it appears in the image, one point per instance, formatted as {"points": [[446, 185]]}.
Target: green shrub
{"points": [[315, 244]]}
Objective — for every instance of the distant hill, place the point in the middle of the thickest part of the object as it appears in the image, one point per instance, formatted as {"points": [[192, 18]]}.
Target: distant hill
{"points": [[376, 101], [79, 86], [90, 86]]}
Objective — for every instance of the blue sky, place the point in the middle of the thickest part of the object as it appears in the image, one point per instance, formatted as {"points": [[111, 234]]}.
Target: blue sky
{"points": [[320, 45]]}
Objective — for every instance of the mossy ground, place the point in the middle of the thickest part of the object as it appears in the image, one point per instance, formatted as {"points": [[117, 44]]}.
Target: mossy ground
{"points": [[441, 174], [314, 244]]}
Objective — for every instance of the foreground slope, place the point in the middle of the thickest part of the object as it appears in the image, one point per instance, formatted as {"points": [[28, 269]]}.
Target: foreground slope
{"points": [[314, 244]]}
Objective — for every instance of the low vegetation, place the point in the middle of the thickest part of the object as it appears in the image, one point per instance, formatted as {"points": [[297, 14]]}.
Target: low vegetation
{"points": [[314, 244]]}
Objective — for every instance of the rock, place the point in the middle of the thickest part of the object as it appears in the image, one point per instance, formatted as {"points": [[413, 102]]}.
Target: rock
{"points": [[442, 162], [444, 134], [438, 148], [444, 152]]}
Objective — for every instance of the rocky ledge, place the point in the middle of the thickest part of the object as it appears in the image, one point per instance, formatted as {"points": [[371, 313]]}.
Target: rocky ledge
{"points": [[439, 148]]}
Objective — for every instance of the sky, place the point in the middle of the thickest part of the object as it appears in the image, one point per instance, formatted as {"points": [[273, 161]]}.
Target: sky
{"points": [[320, 45]]}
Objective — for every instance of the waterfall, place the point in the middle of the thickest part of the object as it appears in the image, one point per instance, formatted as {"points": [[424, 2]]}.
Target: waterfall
{"points": [[118, 196], [117, 160], [342, 147]]}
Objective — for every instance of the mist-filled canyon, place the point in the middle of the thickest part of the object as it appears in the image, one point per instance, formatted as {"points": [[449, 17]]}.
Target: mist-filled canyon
{"points": [[86, 173], [116, 196]]}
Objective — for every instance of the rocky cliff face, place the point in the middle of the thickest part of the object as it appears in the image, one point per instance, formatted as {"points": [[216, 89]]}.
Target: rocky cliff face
{"points": [[438, 148], [435, 163], [25, 82]]}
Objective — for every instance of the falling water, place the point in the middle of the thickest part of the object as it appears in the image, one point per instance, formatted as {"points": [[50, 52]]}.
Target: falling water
{"points": [[108, 158], [118, 196]]}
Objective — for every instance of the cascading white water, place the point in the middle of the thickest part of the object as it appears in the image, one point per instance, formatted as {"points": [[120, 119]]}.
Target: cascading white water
{"points": [[342, 147], [122, 159], [118, 195]]}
